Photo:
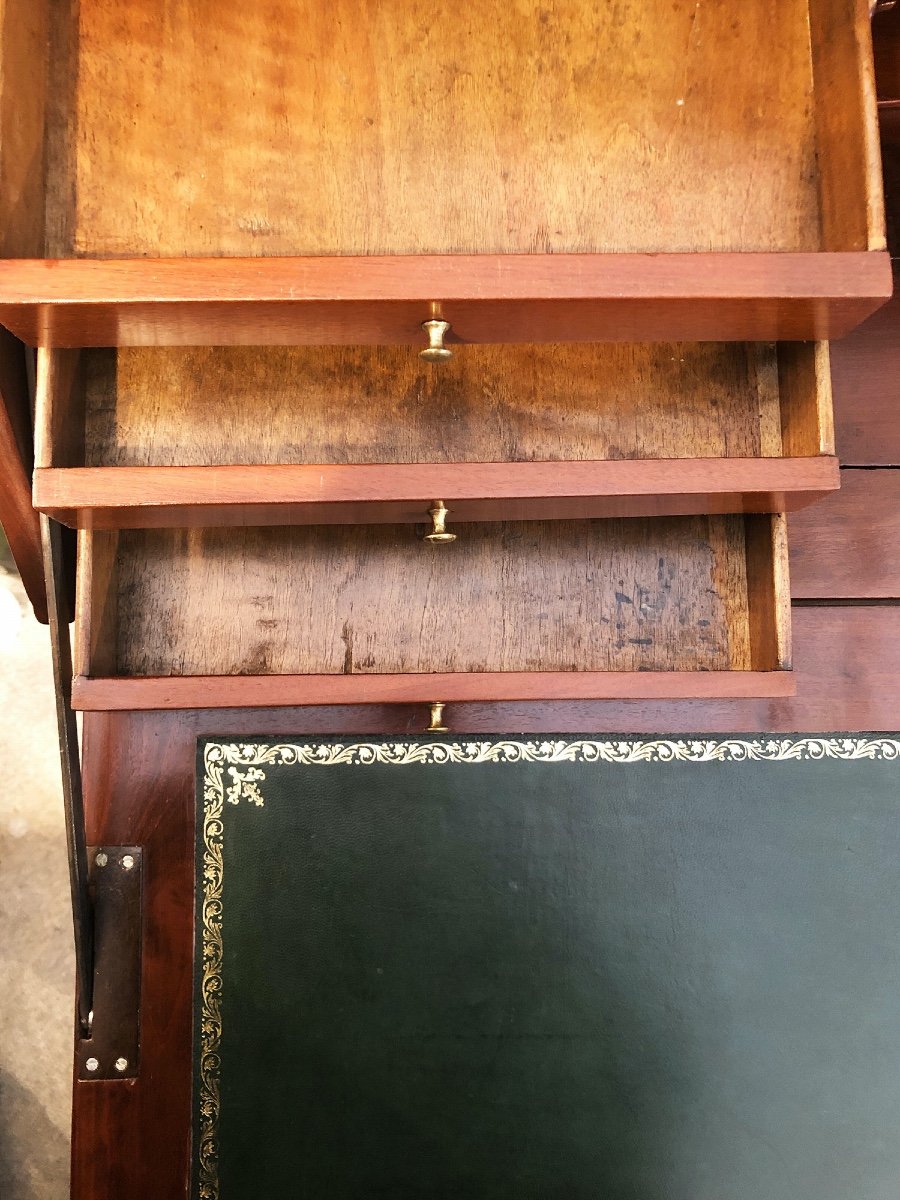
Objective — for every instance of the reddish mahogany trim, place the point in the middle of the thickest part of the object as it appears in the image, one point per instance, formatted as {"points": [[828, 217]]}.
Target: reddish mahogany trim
{"points": [[486, 298], [149, 497], [267, 691]]}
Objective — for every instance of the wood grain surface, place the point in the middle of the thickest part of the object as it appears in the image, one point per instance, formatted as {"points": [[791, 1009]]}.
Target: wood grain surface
{"points": [[209, 406], [287, 128], [636, 595], [163, 139], [142, 160], [804, 392], [499, 422]]}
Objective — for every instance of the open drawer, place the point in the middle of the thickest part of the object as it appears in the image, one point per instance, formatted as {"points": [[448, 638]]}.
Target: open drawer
{"points": [[178, 437], [205, 618], [298, 172]]}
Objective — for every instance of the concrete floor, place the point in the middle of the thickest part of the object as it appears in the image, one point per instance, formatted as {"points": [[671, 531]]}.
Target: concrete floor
{"points": [[36, 959]]}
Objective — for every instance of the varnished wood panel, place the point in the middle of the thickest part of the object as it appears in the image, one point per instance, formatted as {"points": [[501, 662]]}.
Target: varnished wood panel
{"points": [[181, 130], [846, 547], [559, 596], [288, 128], [849, 159], [205, 406], [130, 1137], [486, 298], [890, 155], [866, 385]]}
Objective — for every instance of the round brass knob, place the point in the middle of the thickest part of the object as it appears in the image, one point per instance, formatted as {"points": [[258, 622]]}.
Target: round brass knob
{"points": [[436, 351], [438, 513]]}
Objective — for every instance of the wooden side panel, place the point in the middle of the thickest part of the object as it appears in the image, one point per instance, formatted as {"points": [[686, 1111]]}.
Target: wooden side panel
{"points": [[59, 418], [24, 31], [97, 603], [23, 82], [768, 593], [804, 383], [847, 122], [130, 1138]]}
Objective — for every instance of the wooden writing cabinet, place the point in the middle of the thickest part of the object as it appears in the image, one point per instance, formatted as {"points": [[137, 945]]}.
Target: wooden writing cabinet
{"points": [[223, 226], [211, 172]]}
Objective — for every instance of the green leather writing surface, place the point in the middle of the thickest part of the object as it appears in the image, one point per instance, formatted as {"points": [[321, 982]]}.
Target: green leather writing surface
{"points": [[540, 969]]}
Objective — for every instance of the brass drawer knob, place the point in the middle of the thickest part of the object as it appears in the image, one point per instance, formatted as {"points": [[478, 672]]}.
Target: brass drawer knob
{"points": [[438, 513], [436, 351], [437, 723]]}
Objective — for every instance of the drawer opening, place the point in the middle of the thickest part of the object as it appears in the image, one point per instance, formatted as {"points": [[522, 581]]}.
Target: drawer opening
{"points": [[670, 606], [297, 128], [153, 437]]}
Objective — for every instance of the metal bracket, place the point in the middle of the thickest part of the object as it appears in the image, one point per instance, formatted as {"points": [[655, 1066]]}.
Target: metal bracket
{"points": [[113, 1049]]}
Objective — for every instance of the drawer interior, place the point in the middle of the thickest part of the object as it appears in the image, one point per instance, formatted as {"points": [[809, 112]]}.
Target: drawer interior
{"points": [[700, 594], [289, 127], [343, 405]]}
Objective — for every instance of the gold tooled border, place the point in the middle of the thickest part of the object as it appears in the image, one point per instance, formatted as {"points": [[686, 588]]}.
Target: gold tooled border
{"points": [[233, 771]]}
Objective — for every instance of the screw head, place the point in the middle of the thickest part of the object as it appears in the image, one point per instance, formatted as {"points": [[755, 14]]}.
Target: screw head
{"points": [[121, 1064], [102, 859], [128, 862], [92, 1064]]}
